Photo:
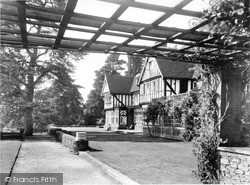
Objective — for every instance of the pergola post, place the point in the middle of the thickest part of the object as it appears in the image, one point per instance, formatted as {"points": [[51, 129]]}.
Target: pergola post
{"points": [[231, 94]]}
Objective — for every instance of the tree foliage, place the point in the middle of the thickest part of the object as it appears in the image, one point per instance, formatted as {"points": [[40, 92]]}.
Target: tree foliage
{"points": [[23, 70], [230, 18], [60, 104], [95, 105]]}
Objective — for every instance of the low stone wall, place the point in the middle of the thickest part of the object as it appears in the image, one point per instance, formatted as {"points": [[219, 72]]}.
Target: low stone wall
{"points": [[69, 140], [164, 132], [66, 139], [235, 165]]}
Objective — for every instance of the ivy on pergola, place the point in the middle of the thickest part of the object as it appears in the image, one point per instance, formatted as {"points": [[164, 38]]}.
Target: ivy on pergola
{"points": [[116, 33]]}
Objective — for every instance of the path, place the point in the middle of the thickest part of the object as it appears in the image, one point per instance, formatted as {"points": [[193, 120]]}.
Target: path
{"points": [[8, 151], [41, 154]]}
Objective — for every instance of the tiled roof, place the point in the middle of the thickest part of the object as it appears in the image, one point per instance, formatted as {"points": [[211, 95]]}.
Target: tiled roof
{"points": [[119, 84], [173, 69]]}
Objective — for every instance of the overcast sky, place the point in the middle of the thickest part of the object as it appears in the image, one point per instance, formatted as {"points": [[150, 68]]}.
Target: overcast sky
{"points": [[85, 71], [84, 74]]}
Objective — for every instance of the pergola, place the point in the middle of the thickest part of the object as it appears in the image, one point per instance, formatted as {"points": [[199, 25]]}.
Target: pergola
{"points": [[160, 28], [155, 36]]}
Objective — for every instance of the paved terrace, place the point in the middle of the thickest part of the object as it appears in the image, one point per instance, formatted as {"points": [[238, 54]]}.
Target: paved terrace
{"points": [[144, 159], [117, 158]]}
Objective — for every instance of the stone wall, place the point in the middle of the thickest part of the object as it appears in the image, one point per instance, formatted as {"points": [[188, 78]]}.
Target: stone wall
{"points": [[235, 165], [66, 139]]}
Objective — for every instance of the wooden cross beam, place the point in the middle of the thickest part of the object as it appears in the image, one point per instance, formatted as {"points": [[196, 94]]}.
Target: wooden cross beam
{"points": [[70, 7], [22, 22]]}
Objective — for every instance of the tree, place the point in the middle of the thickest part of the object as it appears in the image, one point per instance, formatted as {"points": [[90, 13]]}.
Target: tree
{"points": [[59, 104], [135, 64], [26, 69], [94, 104]]}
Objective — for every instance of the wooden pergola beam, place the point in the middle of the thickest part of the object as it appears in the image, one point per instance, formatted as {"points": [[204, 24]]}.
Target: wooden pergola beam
{"points": [[107, 24], [22, 23], [70, 7], [152, 25], [59, 19], [153, 7]]}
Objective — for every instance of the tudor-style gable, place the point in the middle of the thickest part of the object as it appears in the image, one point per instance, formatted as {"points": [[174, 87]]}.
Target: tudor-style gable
{"points": [[105, 86], [161, 78], [126, 97], [116, 91], [150, 70]]}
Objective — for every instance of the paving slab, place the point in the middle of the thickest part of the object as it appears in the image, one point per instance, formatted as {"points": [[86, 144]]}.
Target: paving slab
{"points": [[8, 150], [41, 154]]}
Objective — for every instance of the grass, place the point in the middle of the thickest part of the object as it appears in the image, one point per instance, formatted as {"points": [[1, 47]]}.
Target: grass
{"points": [[145, 159]]}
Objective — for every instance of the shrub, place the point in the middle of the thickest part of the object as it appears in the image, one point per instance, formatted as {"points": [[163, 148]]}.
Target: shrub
{"points": [[155, 110], [207, 140], [205, 149]]}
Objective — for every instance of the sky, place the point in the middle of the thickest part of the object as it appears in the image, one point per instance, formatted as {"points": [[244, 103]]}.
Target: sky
{"points": [[85, 72], [85, 69]]}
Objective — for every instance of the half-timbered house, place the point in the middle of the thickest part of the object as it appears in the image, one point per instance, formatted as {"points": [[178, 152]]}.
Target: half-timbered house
{"points": [[161, 78], [125, 98], [117, 98]]}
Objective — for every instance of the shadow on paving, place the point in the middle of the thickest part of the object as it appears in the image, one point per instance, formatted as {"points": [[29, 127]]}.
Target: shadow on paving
{"points": [[122, 137], [11, 136], [39, 137]]}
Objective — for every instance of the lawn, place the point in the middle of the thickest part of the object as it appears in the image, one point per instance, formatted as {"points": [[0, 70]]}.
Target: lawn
{"points": [[145, 159]]}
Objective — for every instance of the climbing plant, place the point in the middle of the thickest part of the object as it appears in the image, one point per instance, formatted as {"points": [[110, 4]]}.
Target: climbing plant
{"points": [[155, 110], [199, 111], [207, 139]]}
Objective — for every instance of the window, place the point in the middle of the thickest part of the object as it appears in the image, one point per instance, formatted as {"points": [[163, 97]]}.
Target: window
{"points": [[112, 118], [153, 86], [183, 86], [109, 117], [108, 98], [116, 116], [157, 85], [148, 88]]}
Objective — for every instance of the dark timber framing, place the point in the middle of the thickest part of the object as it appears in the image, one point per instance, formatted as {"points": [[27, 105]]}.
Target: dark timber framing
{"points": [[119, 101]]}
